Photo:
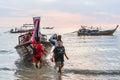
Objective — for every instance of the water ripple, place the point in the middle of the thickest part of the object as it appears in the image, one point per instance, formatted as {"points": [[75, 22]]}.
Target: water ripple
{"points": [[6, 69], [6, 51], [92, 72]]}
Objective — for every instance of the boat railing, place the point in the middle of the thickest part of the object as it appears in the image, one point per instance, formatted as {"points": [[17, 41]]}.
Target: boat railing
{"points": [[24, 38]]}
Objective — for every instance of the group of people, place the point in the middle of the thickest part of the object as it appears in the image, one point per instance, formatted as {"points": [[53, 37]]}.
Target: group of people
{"points": [[58, 52]]}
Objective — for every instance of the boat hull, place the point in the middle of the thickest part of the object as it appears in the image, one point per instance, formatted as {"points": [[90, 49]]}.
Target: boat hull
{"points": [[21, 31], [99, 33], [25, 50], [48, 27]]}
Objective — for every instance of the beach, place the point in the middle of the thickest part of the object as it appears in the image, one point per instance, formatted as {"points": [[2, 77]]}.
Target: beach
{"points": [[90, 57]]}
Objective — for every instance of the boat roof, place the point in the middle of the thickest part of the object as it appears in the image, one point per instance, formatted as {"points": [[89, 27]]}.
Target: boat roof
{"points": [[28, 25]]}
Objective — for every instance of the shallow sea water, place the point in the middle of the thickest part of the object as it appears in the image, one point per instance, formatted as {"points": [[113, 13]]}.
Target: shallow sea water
{"points": [[90, 57]]}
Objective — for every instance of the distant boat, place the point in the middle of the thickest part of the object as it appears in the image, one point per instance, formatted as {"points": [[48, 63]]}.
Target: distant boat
{"points": [[23, 29], [95, 32], [24, 47], [48, 27]]}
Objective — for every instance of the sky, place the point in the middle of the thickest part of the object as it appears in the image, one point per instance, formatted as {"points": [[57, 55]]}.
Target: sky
{"points": [[57, 13]]}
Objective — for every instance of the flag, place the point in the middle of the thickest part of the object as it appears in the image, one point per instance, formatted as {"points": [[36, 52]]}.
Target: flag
{"points": [[36, 21]]}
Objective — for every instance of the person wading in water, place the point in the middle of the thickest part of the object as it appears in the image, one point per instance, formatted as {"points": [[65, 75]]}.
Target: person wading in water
{"points": [[37, 52], [58, 56]]}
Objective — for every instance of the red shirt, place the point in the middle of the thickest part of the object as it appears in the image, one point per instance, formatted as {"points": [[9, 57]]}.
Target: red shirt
{"points": [[39, 49]]}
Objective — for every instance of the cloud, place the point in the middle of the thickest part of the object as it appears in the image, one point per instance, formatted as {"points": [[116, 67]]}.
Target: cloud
{"points": [[9, 7], [46, 0], [107, 14], [111, 18], [61, 13], [15, 21], [48, 18], [55, 18], [89, 3]]}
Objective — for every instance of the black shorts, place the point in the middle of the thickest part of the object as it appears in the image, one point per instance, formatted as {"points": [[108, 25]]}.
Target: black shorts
{"points": [[37, 58]]}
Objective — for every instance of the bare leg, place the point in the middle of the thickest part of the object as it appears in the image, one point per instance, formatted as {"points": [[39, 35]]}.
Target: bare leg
{"points": [[59, 71], [36, 64], [55, 67], [40, 65], [62, 64], [60, 67]]}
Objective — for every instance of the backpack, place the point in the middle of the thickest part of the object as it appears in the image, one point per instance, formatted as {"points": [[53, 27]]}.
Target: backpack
{"points": [[52, 41]]}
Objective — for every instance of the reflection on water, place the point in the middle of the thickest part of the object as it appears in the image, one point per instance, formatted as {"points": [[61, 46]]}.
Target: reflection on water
{"points": [[29, 72], [93, 72], [93, 52], [90, 58]]}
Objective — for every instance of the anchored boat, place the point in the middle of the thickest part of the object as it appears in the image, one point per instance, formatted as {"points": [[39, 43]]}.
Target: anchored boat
{"points": [[95, 32], [23, 29], [48, 27]]}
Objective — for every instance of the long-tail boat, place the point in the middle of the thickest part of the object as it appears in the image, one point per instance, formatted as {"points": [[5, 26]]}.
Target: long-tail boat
{"points": [[24, 47], [95, 32], [48, 27], [23, 29]]}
